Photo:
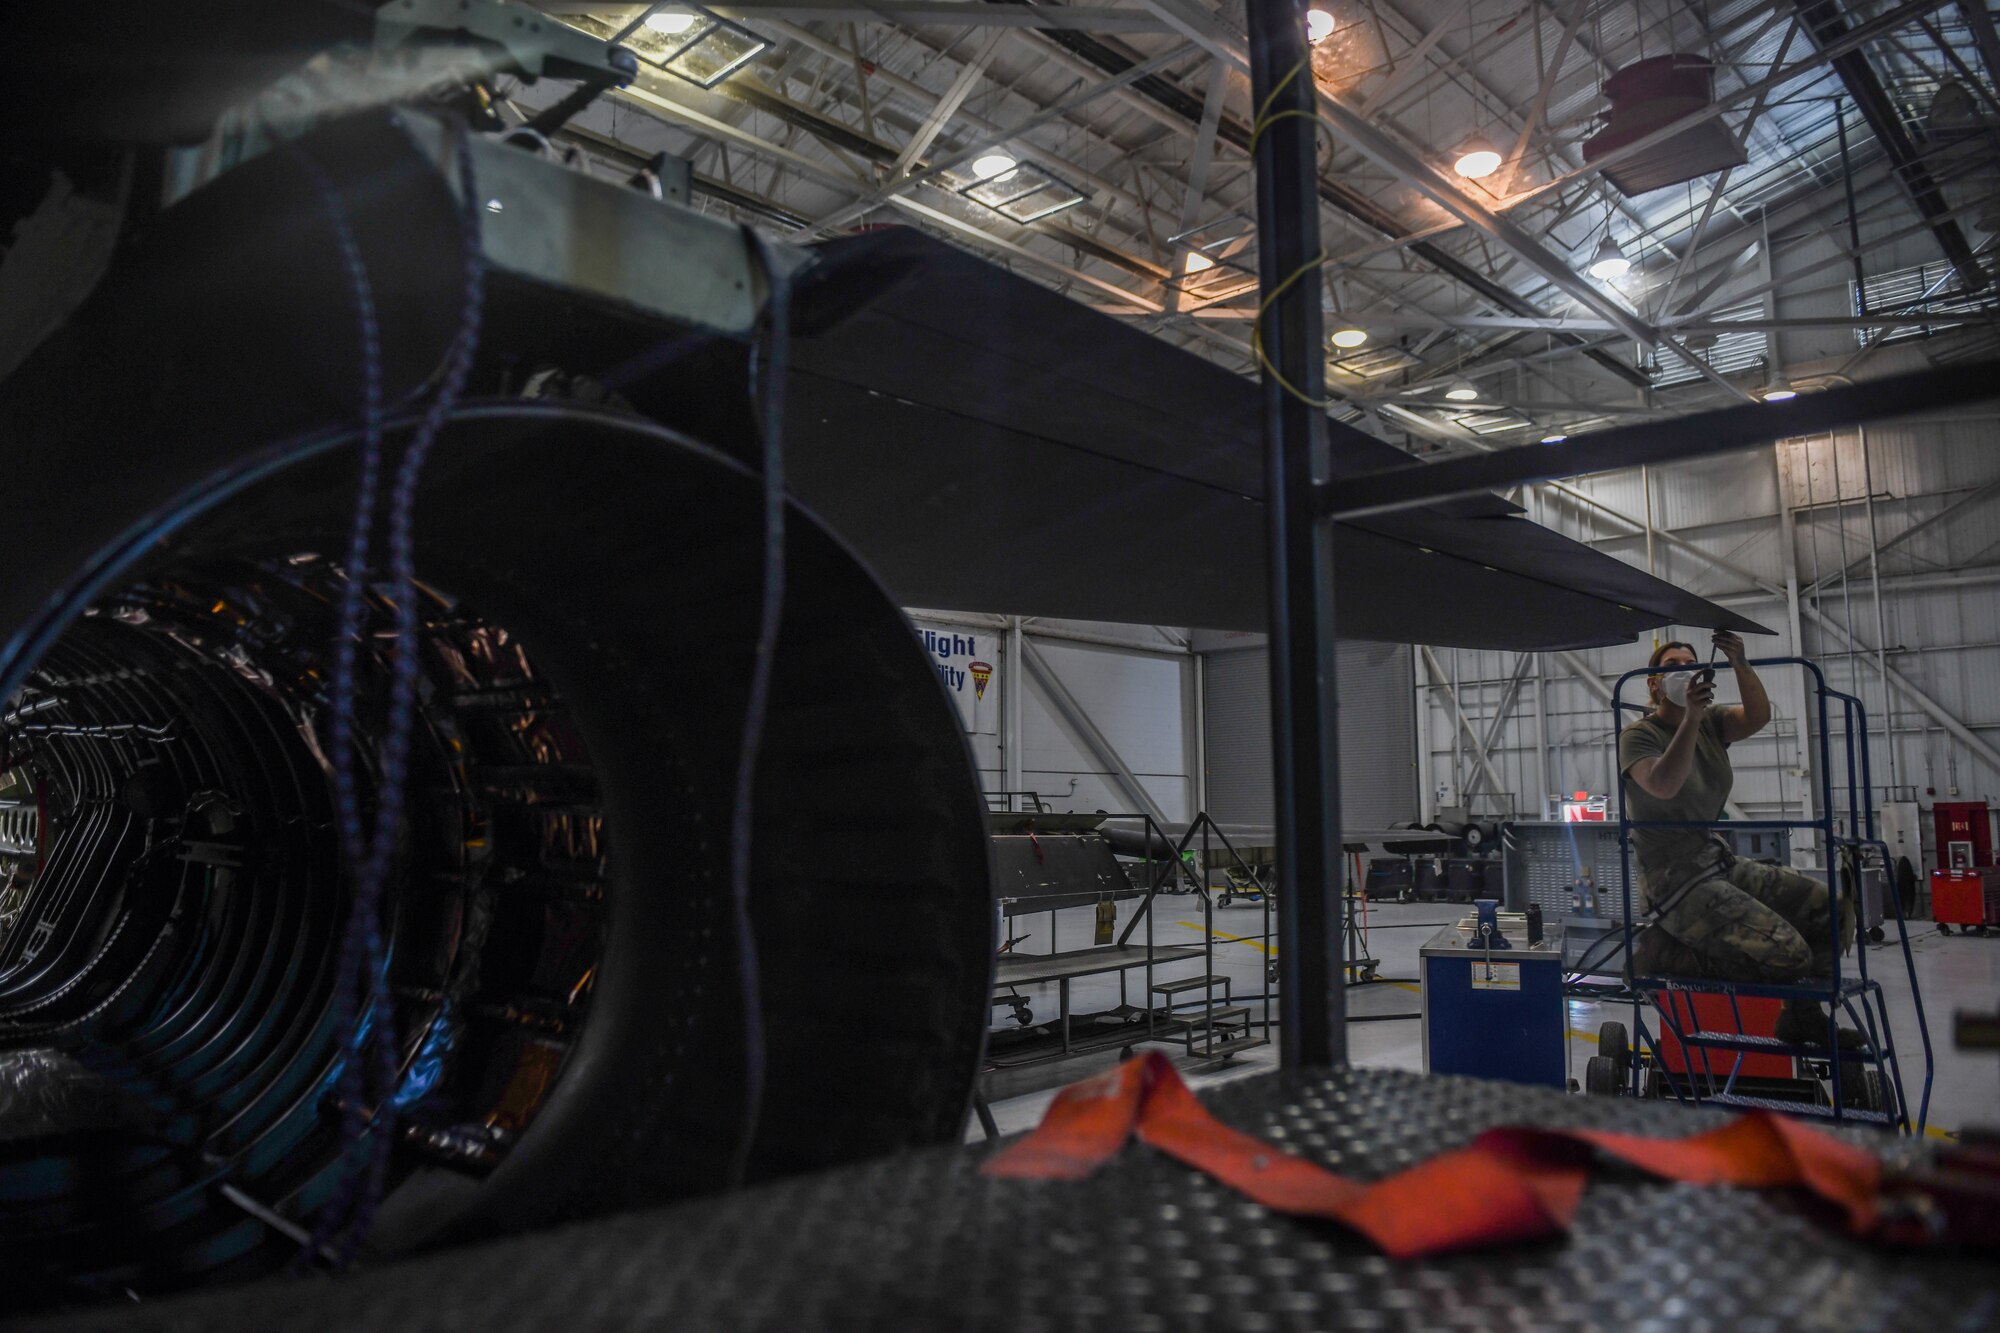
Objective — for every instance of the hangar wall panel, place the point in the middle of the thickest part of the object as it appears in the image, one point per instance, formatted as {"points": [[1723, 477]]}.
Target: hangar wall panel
{"points": [[1378, 762]]}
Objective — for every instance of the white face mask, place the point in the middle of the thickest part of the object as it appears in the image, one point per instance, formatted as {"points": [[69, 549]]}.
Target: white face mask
{"points": [[1675, 687]]}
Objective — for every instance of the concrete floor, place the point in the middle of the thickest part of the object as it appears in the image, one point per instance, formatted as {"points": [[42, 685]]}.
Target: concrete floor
{"points": [[1954, 972]]}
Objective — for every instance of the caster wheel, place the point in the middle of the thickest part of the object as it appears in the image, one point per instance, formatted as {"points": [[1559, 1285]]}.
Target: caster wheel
{"points": [[1125, 1053], [1402, 895], [1876, 935], [1864, 1092], [1979, 930], [1600, 1076], [1615, 1045], [1943, 929]]}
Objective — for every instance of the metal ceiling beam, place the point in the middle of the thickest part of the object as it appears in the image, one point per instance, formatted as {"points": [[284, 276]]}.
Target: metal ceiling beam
{"points": [[1857, 36], [650, 96], [1013, 136], [922, 98], [1657, 442], [1842, 254], [1827, 25], [907, 13], [1679, 324], [1186, 110], [1198, 168], [1388, 153], [947, 106], [1688, 253], [1984, 35]]}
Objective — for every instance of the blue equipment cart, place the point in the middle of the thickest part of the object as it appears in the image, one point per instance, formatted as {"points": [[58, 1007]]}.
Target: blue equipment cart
{"points": [[1494, 1012]]}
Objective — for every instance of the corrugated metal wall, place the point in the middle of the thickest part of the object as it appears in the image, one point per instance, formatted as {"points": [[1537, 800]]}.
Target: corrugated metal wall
{"points": [[1378, 752]]}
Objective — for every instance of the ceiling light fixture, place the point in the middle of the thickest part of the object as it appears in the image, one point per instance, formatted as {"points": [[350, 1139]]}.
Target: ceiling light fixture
{"points": [[993, 166], [1477, 160], [1195, 262], [694, 44], [1462, 392], [1319, 25], [672, 22], [1349, 337], [1778, 392], [1557, 438], [1609, 263]]}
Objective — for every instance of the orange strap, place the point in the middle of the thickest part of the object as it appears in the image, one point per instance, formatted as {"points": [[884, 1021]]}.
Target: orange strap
{"points": [[1510, 1184]]}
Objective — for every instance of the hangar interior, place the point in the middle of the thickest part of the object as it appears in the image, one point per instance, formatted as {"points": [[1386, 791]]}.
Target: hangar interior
{"points": [[637, 634]]}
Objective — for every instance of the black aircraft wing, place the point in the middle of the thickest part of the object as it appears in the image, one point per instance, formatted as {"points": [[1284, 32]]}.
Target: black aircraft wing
{"points": [[989, 444]]}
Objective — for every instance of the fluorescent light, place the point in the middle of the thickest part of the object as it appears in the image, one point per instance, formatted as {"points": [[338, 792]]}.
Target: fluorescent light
{"points": [[1195, 262], [1554, 439], [1319, 25], [670, 21], [1477, 160], [1609, 263], [1462, 392], [993, 166], [1349, 337]]}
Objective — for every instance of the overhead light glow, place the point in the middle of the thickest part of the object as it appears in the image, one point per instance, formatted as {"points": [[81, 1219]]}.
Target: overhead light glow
{"points": [[1462, 392], [672, 22], [1609, 263], [1477, 160], [1319, 25], [1349, 337], [1554, 439], [1195, 262], [993, 166], [1778, 393]]}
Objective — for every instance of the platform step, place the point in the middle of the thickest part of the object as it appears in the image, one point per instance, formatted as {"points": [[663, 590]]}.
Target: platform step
{"points": [[1217, 1017], [1743, 1041], [1814, 990], [1187, 983], [1783, 1107]]}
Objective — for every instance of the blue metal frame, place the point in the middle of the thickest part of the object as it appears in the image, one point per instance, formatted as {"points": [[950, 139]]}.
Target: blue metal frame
{"points": [[1837, 992]]}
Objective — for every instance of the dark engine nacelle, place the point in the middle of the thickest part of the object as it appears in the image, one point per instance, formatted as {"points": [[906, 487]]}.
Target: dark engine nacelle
{"points": [[563, 966]]}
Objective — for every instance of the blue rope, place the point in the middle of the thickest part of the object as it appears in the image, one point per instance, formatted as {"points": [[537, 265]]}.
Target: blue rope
{"points": [[361, 987], [770, 363]]}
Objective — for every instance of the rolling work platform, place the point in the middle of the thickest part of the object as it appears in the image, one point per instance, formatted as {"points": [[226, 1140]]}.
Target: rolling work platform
{"points": [[1704, 1051]]}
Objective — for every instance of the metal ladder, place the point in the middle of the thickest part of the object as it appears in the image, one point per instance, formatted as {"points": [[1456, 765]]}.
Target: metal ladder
{"points": [[1860, 997]]}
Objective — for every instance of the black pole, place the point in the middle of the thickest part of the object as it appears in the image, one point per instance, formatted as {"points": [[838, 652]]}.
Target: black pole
{"points": [[1853, 220], [1306, 787]]}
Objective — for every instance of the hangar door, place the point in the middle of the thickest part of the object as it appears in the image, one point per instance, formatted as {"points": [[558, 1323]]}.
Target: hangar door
{"points": [[1378, 734]]}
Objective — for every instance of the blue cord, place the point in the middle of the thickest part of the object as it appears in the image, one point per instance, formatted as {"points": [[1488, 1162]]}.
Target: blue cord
{"points": [[770, 363], [361, 989]]}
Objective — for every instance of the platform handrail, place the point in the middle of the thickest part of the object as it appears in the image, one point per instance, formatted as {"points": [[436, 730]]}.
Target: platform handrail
{"points": [[1845, 859]]}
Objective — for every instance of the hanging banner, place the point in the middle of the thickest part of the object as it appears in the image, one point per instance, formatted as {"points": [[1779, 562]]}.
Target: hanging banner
{"points": [[963, 673]]}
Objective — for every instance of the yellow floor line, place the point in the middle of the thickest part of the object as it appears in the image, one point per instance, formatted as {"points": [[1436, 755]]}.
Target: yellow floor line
{"points": [[1226, 937]]}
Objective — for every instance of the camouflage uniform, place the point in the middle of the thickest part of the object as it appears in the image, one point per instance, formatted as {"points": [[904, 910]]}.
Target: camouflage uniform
{"points": [[1721, 918], [1751, 922]]}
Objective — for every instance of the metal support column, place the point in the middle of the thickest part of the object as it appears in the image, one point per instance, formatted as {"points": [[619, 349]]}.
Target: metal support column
{"points": [[1010, 709], [1304, 736]]}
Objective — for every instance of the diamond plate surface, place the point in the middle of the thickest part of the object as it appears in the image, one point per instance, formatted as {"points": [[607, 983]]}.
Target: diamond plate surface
{"points": [[924, 1242]]}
